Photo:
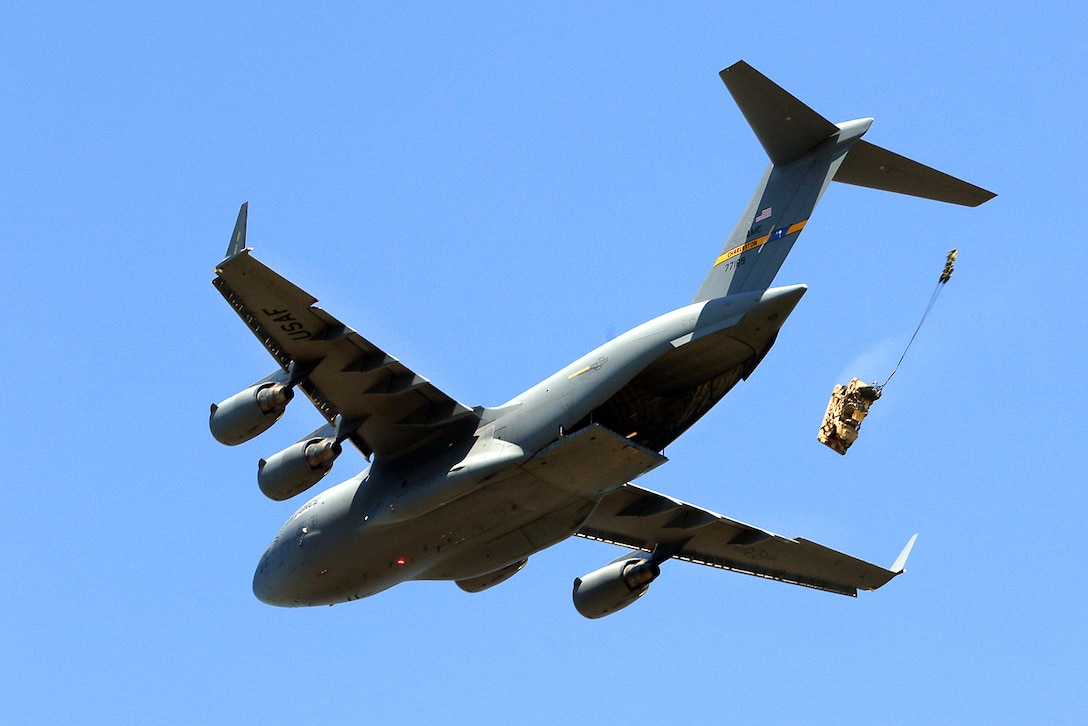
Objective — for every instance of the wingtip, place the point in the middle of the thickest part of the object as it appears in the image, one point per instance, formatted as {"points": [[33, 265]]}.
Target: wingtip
{"points": [[984, 196], [900, 565], [238, 237]]}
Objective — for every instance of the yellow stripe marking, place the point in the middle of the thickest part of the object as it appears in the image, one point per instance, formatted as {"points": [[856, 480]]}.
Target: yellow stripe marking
{"points": [[578, 373], [758, 242], [741, 249]]}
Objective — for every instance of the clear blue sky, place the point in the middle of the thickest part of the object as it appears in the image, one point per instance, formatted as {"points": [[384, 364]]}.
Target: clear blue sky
{"points": [[488, 194]]}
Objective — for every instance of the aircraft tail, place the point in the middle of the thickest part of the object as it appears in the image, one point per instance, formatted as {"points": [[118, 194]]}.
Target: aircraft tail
{"points": [[807, 152]]}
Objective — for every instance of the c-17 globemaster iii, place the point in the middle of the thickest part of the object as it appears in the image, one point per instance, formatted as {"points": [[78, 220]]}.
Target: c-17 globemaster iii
{"points": [[468, 494]]}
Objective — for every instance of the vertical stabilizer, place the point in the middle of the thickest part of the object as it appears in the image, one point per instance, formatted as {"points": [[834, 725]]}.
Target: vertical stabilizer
{"points": [[807, 153]]}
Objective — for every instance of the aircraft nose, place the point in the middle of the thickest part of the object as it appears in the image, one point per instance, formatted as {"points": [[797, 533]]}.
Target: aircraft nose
{"points": [[273, 580], [268, 581], [284, 575], [292, 572]]}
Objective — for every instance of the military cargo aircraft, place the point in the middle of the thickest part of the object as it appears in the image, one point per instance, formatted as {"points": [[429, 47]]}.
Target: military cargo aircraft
{"points": [[468, 494]]}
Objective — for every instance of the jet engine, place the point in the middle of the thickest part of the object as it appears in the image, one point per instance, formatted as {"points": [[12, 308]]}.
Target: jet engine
{"points": [[297, 468], [251, 412], [614, 586]]}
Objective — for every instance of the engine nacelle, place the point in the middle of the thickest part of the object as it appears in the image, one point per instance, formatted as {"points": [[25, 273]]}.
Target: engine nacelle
{"points": [[296, 468], [614, 586], [251, 412]]}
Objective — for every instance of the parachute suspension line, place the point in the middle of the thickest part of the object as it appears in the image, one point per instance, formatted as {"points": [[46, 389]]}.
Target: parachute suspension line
{"points": [[946, 275], [849, 404]]}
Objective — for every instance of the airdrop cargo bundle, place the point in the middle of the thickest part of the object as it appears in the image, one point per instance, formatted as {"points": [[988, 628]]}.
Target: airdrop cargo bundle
{"points": [[848, 407], [849, 404]]}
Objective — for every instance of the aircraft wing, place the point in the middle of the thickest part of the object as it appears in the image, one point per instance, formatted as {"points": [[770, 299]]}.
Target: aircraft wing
{"points": [[345, 374], [640, 519]]}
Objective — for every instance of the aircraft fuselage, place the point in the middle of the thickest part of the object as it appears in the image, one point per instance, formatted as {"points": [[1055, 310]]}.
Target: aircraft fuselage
{"points": [[460, 509]]}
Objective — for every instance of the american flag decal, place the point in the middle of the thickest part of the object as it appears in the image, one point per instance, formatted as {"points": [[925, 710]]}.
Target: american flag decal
{"points": [[765, 214]]}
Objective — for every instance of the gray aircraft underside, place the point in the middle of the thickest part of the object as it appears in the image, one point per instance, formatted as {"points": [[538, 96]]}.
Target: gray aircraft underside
{"points": [[468, 494]]}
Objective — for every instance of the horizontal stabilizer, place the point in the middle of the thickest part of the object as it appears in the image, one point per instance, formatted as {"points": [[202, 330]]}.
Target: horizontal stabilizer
{"points": [[868, 165], [785, 126]]}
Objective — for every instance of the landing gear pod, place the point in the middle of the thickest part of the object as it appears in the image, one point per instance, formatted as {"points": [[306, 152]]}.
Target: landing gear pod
{"points": [[614, 586], [483, 582], [296, 468], [249, 413]]}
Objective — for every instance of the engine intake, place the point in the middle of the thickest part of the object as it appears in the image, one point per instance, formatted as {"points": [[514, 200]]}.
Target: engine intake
{"points": [[249, 413], [296, 468], [614, 586]]}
